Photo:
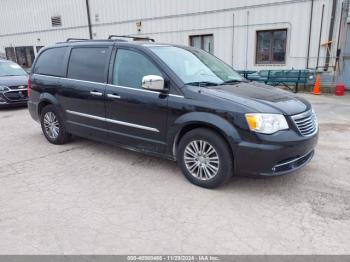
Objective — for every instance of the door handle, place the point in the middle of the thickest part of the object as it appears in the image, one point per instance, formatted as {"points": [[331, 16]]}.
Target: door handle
{"points": [[113, 96], [95, 93]]}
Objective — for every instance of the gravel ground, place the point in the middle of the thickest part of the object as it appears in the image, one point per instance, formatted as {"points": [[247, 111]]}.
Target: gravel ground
{"points": [[90, 198]]}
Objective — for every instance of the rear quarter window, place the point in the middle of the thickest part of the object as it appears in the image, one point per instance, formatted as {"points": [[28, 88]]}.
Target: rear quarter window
{"points": [[51, 62], [89, 64]]}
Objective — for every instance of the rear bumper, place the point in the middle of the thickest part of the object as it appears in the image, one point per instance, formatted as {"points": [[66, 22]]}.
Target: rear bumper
{"points": [[33, 110], [274, 158]]}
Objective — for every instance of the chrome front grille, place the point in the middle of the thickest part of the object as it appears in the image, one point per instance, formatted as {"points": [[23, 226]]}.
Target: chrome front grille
{"points": [[16, 95], [18, 87], [306, 123]]}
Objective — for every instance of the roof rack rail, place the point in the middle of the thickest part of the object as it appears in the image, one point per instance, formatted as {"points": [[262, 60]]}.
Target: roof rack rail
{"points": [[133, 37], [77, 39]]}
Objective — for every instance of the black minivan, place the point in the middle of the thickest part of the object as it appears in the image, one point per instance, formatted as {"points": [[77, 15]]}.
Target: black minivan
{"points": [[172, 101]]}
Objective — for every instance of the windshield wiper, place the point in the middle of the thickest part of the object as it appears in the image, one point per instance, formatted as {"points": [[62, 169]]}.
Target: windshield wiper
{"points": [[202, 83], [231, 81]]}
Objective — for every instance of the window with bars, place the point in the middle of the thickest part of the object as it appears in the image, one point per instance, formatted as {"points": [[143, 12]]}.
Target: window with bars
{"points": [[271, 46], [205, 42]]}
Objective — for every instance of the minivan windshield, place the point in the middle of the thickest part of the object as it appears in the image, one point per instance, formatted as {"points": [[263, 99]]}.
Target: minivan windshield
{"points": [[197, 67], [11, 69]]}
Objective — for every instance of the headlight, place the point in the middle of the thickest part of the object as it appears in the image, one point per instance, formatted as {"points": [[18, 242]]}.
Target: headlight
{"points": [[4, 88], [266, 123]]}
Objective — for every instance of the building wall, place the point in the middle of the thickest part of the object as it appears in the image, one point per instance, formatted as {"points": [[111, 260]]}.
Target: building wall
{"points": [[233, 24]]}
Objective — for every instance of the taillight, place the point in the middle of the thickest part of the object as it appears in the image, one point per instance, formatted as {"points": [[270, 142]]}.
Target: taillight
{"points": [[28, 87]]}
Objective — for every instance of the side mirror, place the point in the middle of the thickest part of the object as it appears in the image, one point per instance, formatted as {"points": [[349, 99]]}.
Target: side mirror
{"points": [[153, 82]]}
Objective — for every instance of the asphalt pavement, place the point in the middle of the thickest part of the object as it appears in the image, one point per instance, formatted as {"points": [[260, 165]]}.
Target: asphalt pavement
{"points": [[91, 198]]}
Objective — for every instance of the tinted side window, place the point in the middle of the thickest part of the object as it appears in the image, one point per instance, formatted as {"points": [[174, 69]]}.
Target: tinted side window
{"points": [[88, 63], [130, 67], [50, 62]]}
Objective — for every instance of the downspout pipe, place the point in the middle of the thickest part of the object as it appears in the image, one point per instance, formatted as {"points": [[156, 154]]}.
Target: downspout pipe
{"points": [[233, 39], [247, 40], [88, 18], [340, 24], [339, 37], [320, 38], [330, 36], [310, 30]]}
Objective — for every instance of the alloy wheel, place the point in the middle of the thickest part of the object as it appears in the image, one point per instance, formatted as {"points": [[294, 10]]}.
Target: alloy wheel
{"points": [[51, 125], [201, 160]]}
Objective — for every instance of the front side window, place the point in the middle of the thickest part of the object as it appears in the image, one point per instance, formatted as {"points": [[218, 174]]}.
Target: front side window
{"points": [[11, 69], [130, 67], [271, 47], [50, 62], [88, 63], [196, 66]]}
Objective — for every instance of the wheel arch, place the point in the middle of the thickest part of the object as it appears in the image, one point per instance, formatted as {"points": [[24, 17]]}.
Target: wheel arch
{"points": [[46, 99], [195, 120]]}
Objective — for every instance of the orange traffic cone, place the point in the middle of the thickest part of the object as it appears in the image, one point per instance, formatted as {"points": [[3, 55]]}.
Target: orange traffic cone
{"points": [[316, 90]]}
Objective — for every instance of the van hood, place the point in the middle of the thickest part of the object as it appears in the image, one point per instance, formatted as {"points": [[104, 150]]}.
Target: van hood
{"points": [[13, 80], [260, 98]]}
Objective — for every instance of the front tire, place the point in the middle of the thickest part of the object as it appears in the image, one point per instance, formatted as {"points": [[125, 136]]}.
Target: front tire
{"points": [[205, 158], [52, 125]]}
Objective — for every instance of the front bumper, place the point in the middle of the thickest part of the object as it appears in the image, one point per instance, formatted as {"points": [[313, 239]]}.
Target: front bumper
{"points": [[275, 155], [13, 98]]}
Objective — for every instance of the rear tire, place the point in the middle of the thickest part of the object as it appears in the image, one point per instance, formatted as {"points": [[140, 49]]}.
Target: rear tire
{"points": [[52, 125], [205, 158]]}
